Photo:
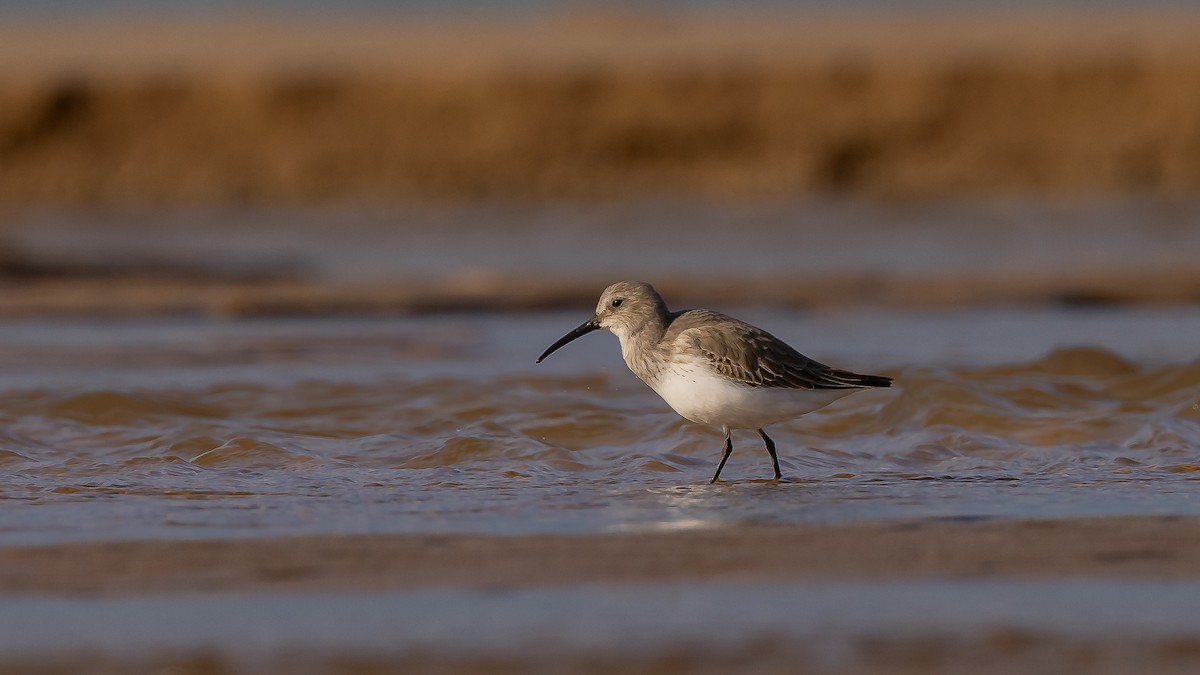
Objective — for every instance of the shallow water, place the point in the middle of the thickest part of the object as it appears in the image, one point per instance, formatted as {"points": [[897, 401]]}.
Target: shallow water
{"points": [[185, 428], [677, 239], [830, 622]]}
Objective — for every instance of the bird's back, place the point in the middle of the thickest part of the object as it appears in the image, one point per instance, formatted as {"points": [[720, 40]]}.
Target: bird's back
{"points": [[751, 356]]}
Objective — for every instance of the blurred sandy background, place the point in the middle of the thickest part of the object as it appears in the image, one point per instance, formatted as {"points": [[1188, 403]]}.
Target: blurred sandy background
{"points": [[594, 104], [479, 126]]}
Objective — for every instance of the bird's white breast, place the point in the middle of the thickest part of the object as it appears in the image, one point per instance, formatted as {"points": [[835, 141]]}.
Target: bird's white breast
{"points": [[702, 395]]}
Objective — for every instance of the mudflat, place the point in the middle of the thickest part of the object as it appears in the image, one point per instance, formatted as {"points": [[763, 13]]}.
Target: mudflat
{"points": [[848, 598], [1114, 547]]}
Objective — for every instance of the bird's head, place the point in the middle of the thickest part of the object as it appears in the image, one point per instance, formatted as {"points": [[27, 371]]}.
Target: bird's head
{"points": [[624, 308]]}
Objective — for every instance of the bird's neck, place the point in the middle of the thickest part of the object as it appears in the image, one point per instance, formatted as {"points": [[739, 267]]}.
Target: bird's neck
{"points": [[642, 348]]}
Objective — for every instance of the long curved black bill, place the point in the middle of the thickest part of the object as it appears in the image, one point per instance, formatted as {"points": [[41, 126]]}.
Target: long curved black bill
{"points": [[585, 328]]}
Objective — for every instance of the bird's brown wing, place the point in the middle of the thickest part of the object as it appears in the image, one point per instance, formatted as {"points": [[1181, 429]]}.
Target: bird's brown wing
{"points": [[751, 355]]}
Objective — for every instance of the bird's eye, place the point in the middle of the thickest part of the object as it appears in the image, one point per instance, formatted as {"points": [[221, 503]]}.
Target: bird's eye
{"points": [[616, 302]]}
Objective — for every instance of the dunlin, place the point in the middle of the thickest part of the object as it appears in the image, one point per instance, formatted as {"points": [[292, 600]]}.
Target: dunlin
{"points": [[713, 369]]}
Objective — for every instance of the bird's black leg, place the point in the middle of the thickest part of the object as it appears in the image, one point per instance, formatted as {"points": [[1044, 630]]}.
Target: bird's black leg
{"points": [[725, 457], [771, 449]]}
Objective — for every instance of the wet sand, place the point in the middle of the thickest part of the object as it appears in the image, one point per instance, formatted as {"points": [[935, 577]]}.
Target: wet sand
{"points": [[1111, 548], [240, 110], [501, 579]]}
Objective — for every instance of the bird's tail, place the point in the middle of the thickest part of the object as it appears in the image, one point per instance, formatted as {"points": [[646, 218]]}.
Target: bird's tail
{"points": [[875, 381], [848, 379]]}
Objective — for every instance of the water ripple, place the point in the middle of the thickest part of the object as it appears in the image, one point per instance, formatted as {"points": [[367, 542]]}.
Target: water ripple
{"points": [[587, 451]]}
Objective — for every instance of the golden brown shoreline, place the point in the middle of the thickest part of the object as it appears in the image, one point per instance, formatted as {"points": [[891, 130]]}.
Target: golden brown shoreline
{"points": [[1114, 547], [608, 106]]}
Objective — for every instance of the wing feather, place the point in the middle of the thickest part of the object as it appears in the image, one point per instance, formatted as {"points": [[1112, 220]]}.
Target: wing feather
{"points": [[748, 354]]}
